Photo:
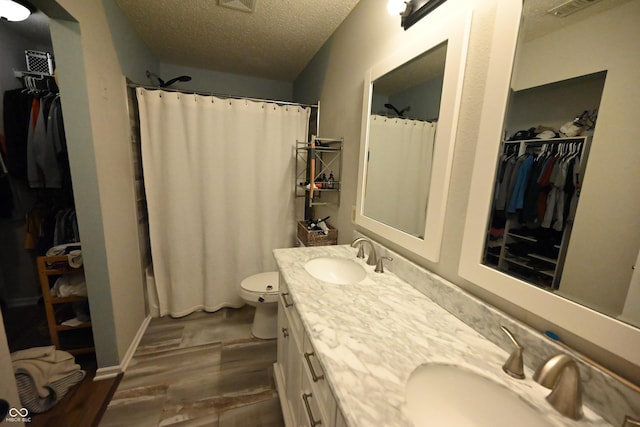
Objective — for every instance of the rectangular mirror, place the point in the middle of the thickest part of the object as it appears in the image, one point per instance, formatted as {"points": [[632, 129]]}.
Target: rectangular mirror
{"points": [[587, 280], [409, 117]]}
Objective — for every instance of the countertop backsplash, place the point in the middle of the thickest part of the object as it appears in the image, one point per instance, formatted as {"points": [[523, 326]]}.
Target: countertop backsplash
{"points": [[607, 396]]}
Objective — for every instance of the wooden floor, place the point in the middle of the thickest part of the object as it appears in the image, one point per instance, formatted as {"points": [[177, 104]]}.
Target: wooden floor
{"points": [[201, 370], [85, 403]]}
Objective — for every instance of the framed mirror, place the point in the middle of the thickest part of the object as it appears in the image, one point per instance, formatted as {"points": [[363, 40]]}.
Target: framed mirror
{"points": [[409, 117], [592, 288]]}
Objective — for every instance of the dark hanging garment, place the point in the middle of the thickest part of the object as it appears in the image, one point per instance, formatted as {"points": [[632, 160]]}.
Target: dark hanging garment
{"points": [[6, 197], [17, 110], [54, 161]]}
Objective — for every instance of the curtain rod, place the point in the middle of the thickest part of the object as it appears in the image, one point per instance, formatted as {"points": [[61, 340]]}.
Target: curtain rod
{"points": [[134, 85]]}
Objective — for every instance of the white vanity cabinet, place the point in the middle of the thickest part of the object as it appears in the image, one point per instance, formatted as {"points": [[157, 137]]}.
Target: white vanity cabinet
{"points": [[305, 396]]}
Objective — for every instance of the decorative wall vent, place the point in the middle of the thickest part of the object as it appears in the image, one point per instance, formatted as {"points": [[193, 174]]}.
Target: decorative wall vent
{"points": [[242, 5], [569, 7]]}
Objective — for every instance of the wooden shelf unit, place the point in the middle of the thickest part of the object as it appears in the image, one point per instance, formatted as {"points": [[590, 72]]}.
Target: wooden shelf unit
{"points": [[49, 266]]}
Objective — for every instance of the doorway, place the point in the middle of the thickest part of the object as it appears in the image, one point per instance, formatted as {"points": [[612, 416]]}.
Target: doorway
{"points": [[37, 207]]}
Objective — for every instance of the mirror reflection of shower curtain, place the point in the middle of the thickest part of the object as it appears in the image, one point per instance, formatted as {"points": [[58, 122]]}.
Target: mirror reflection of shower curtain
{"points": [[399, 172], [218, 176]]}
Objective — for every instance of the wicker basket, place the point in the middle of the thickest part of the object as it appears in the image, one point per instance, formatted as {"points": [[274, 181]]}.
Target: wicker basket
{"points": [[317, 237]]}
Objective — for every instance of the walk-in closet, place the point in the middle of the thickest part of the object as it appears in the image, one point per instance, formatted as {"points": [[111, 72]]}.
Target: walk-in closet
{"points": [[42, 288], [541, 171]]}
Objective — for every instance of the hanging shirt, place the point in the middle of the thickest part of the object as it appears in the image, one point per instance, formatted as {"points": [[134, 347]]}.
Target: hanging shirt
{"points": [[501, 199], [529, 209], [45, 145], [35, 143], [50, 160], [517, 198], [17, 113], [543, 182]]}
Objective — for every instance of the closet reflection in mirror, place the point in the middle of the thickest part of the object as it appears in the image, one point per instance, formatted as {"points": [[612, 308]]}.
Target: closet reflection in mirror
{"points": [[565, 204], [404, 111]]}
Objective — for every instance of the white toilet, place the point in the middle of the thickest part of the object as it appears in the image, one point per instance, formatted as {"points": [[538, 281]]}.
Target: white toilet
{"points": [[261, 291]]}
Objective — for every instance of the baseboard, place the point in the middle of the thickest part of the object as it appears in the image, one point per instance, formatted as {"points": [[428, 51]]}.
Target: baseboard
{"points": [[22, 302], [107, 373], [134, 343], [113, 371]]}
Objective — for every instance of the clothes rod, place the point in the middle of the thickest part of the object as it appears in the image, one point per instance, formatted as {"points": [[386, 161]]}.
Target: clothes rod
{"points": [[219, 95], [564, 140]]}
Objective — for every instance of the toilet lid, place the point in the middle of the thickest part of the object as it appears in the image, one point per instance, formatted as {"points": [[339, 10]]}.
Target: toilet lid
{"points": [[262, 283]]}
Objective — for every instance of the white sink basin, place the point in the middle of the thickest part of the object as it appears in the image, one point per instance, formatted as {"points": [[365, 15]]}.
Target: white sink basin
{"points": [[445, 395], [339, 271]]}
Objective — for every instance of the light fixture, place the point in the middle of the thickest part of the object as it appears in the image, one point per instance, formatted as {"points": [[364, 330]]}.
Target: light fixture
{"points": [[400, 7], [397, 7], [411, 11], [13, 10]]}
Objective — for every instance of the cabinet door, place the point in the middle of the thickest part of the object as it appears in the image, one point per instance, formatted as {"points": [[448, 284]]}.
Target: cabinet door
{"points": [[314, 371], [294, 380], [311, 415], [283, 341], [289, 365]]}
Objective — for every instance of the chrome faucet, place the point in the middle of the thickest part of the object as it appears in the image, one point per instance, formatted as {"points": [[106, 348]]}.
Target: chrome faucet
{"points": [[514, 366], [373, 259], [561, 374]]}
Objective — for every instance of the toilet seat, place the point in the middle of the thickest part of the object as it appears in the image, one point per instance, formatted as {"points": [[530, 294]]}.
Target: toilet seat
{"points": [[260, 282], [260, 286], [261, 291]]}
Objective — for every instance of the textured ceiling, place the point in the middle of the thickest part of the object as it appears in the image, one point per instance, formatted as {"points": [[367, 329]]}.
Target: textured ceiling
{"points": [[276, 41]]}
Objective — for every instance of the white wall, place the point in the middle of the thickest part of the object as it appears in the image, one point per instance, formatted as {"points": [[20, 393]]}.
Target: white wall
{"points": [[94, 55], [336, 76], [217, 82]]}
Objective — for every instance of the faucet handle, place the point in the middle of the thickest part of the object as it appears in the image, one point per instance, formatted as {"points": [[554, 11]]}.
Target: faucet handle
{"points": [[379, 265], [358, 242], [514, 366], [630, 422]]}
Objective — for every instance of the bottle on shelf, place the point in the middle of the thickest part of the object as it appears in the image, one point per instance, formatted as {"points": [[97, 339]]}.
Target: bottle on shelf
{"points": [[331, 182], [317, 224]]}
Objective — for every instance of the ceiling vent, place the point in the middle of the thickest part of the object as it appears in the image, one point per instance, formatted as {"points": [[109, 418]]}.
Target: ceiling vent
{"points": [[248, 6], [569, 7]]}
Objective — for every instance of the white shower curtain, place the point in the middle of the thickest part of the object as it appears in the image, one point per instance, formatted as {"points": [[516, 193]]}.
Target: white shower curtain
{"points": [[399, 172], [219, 179]]}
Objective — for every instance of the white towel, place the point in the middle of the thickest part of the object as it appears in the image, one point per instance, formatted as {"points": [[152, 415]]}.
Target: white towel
{"points": [[44, 365]]}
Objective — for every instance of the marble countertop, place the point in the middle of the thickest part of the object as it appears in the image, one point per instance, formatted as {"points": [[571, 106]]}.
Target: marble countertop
{"points": [[370, 336]]}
